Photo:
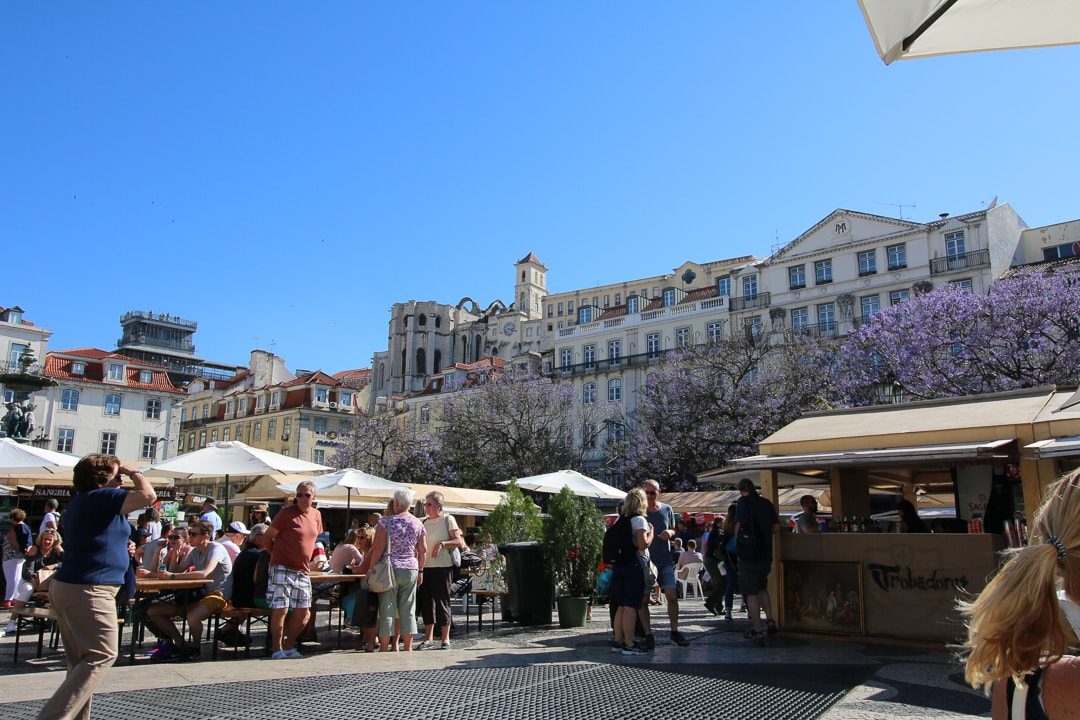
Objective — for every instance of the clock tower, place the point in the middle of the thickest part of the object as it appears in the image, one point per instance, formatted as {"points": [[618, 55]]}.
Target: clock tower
{"points": [[530, 287]]}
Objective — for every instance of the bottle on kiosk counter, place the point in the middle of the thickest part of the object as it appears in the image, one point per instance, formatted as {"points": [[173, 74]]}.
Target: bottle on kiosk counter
{"points": [[975, 524]]}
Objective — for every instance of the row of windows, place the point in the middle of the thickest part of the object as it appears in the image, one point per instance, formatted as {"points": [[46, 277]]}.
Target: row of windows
{"points": [[232, 407], [319, 427], [69, 400], [866, 261], [115, 372], [65, 443], [614, 392]]}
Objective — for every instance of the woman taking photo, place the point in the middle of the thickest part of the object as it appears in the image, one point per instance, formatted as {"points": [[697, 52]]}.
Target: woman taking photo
{"points": [[408, 554], [1023, 622], [83, 591], [442, 537]]}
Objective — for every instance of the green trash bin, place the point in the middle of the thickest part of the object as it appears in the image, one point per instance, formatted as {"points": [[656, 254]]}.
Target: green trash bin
{"points": [[528, 584]]}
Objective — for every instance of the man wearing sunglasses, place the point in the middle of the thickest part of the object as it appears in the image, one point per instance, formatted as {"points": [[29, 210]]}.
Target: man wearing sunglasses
{"points": [[207, 559], [662, 518], [293, 532]]}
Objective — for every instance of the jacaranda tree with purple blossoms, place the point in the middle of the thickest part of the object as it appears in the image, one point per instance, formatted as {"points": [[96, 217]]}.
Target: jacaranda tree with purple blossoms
{"points": [[712, 403], [952, 342], [515, 425]]}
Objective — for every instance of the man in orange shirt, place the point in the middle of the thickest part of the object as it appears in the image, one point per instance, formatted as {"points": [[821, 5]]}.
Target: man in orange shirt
{"points": [[293, 532]]}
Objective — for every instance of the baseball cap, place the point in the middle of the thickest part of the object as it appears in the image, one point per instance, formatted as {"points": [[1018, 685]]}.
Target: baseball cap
{"points": [[238, 527]]}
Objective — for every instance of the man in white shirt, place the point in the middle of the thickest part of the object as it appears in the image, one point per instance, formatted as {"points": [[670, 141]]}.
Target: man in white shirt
{"points": [[235, 536], [52, 517]]}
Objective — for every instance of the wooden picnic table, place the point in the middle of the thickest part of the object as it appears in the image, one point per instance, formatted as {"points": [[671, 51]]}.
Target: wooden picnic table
{"points": [[149, 591]]}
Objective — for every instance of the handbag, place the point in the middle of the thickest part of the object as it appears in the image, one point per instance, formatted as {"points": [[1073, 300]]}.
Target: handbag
{"points": [[381, 576], [650, 571], [43, 578], [603, 582], [455, 553]]}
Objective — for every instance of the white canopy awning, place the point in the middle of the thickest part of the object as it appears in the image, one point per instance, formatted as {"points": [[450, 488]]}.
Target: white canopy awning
{"points": [[972, 451], [1057, 447], [906, 29]]}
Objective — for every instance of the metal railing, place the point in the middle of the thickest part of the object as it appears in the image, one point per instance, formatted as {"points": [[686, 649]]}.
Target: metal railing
{"points": [[607, 365], [964, 261], [751, 302]]}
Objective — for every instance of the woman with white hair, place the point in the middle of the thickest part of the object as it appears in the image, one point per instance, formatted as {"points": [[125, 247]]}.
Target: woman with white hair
{"points": [[407, 552], [442, 537]]}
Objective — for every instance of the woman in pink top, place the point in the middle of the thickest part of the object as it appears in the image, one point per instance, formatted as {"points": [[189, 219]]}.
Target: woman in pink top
{"points": [[407, 556]]}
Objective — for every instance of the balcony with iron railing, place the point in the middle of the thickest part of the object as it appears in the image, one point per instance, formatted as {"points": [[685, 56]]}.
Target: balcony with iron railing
{"points": [[151, 342], [157, 317], [610, 365], [823, 329], [709, 305], [751, 302], [958, 263]]}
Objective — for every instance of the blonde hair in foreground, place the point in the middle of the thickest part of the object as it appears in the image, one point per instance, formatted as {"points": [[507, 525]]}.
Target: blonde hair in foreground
{"points": [[1016, 624]]}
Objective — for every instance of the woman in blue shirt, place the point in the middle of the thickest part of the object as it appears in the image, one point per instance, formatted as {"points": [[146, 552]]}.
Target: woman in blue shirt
{"points": [[83, 591]]}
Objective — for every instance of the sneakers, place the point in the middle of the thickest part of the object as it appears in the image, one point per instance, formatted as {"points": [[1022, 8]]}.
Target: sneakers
{"points": [[771, 628], [166, 653], [712, 609], [292, 654], [445, 646], [649, 643], [616, 647], [679, 639], [10, 628], [633, 650], [190, 654], [279, 655], [426, 645]]}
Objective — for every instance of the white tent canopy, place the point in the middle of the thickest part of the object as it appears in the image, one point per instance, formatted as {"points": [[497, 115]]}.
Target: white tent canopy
{"points": [[579, 485], [350, 480], [906, 29], [18, 460], [232, 459]]}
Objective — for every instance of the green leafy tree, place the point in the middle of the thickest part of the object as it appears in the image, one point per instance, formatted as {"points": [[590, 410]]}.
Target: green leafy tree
{"points": [[514, 519], [573, 541]]}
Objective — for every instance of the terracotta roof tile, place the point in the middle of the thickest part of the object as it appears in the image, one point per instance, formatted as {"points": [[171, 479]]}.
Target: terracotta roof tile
{"points": [[59, 367], [699, 294]]}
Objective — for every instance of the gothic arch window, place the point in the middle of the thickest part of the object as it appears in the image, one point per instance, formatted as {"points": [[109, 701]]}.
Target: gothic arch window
{"points": [[438, 321], [421, 320], [421, 362], [478, 342], [464, 348], [382, 374], [438, 361]]}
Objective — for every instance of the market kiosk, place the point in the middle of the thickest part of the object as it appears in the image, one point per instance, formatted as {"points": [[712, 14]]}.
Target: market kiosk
{"points": [[977, 449]]}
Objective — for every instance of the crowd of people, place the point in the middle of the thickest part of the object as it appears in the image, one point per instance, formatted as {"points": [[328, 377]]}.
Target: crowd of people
{"points": [[648, 548]]}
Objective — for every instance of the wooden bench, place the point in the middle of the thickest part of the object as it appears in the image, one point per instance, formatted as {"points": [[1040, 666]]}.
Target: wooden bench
{"points": [[29, 615], [244, 616]]}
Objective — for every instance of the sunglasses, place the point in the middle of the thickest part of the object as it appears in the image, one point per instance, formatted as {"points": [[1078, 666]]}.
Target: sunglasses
{"points": [[193, 533], [303, 495], [650, 492]]}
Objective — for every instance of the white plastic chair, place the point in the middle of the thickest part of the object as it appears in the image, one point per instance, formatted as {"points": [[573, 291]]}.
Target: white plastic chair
{"points": [[689, 576]]}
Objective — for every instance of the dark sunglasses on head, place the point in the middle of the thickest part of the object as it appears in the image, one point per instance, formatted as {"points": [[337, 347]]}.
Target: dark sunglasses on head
{"points": [[174, 537]]}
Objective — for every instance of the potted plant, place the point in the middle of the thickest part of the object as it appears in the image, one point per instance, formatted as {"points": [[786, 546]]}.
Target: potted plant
{"points": [[573, 540], [515, 527]]}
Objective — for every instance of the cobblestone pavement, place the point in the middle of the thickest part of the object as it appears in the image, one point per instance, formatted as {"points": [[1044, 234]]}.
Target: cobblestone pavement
{"points": [[517, 672]]}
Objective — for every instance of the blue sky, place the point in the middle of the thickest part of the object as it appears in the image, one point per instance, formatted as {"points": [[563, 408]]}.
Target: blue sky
{"points": [[284, 172]]}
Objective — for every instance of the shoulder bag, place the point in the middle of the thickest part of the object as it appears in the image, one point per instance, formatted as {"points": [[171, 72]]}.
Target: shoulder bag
{"points": [[455, 553], [380, 577]]}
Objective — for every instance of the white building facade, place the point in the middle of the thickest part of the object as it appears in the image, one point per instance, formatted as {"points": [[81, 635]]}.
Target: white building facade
{"points": [[108, 403]]}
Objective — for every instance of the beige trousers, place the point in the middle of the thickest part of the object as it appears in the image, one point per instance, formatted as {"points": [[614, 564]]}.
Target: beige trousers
{"points": [[88, 627]]}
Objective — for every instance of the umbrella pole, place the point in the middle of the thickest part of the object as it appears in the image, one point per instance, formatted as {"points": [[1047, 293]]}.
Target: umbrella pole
{"points": [[226, 499], [348, 510]]}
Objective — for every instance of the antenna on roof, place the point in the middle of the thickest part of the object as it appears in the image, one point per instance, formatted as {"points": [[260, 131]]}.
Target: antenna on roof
{"points": [[899, 206]]}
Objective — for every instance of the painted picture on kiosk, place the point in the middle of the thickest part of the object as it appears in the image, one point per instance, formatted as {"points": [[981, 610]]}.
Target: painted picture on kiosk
{"points": [[823, 597]]}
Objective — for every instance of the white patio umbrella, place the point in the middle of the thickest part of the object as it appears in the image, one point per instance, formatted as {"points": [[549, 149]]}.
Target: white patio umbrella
{"points": [[19, 460], [365, 485], [906, 29], [232, 459], [579, 484]]}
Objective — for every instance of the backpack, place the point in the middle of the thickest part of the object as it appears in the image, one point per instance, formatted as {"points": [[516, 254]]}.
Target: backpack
{"points": [[619, 543], [717, 551]]}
